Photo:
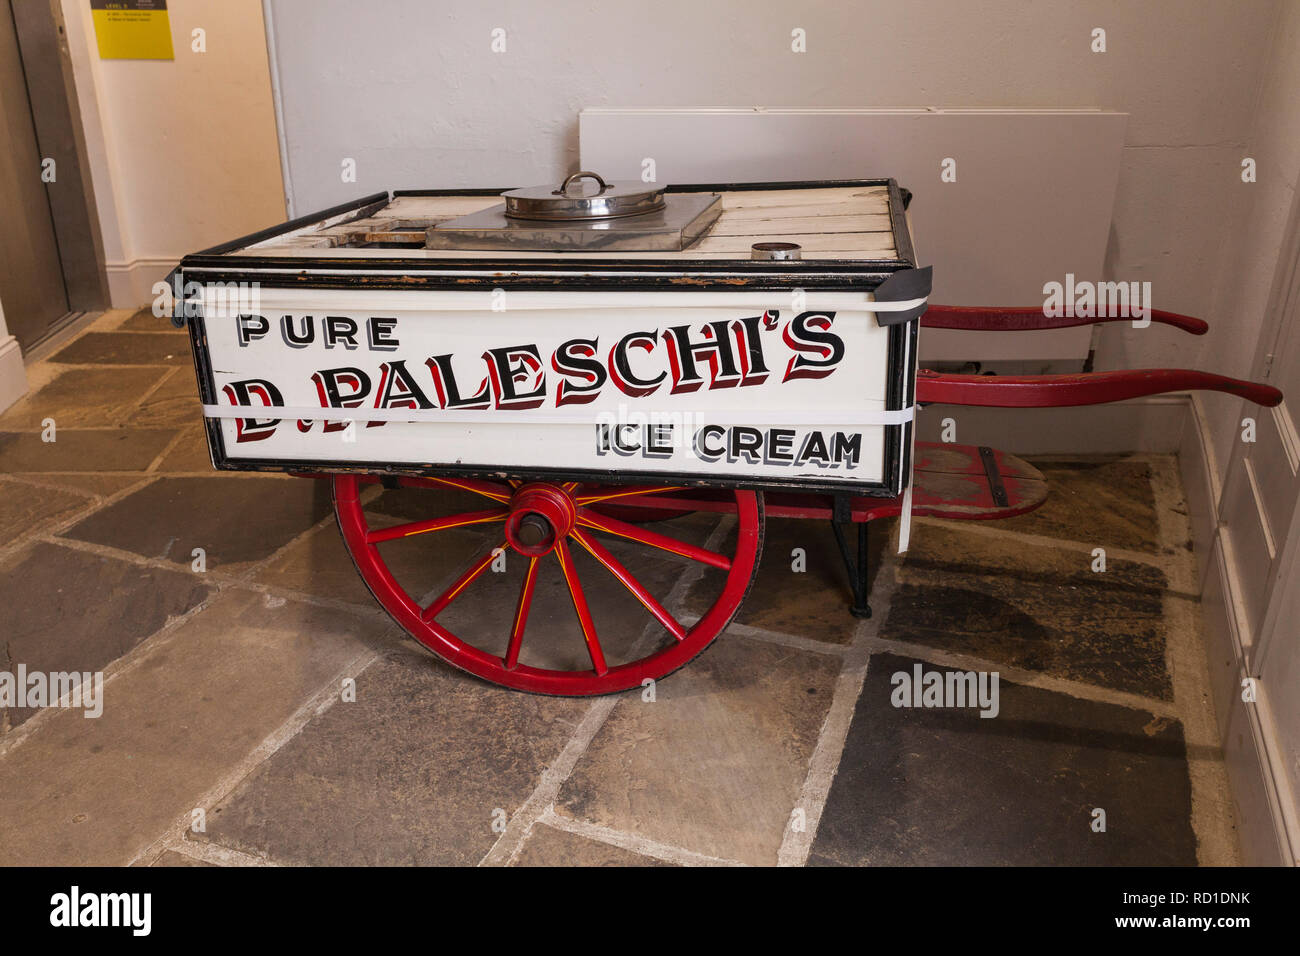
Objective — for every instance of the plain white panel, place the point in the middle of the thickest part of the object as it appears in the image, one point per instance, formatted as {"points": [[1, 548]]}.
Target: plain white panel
{"points": [[1031, 201]]}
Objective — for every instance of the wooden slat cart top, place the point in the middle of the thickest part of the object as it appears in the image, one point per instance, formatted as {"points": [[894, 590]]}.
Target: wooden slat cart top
{"points": [[840, 223]]}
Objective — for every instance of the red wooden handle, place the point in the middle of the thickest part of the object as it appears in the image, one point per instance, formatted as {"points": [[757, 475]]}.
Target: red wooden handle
{"points": [[992, 319], [1093, 388]]}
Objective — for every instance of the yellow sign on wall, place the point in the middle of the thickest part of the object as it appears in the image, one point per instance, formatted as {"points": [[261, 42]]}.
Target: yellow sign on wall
{"points": [[132, 29]]}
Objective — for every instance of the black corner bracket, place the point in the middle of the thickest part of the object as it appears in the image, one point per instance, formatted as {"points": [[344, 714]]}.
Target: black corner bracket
{"points": [[178, 298], [901, 286]]}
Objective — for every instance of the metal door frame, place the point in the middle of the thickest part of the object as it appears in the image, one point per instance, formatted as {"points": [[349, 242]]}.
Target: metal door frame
{"points": [[56, 116]]}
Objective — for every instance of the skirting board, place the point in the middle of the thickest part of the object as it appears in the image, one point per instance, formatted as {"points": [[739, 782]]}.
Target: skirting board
{"points": [[13, 375], [130, 284], [1266, 819], [1199, 467]]}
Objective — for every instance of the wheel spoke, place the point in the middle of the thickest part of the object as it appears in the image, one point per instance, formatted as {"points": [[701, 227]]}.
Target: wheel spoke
{"points": [[611, 492], [589, 519], [462, 582], [601, 554], [488, 489], [667, 503], [580, 605], [521, 613], [436, 524]]}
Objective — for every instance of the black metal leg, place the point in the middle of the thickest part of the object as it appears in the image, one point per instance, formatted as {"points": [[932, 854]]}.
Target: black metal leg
{"points": [[857, 570]]}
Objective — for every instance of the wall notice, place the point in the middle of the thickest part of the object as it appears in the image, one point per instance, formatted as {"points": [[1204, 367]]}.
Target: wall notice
{"points": [[132, 29]]}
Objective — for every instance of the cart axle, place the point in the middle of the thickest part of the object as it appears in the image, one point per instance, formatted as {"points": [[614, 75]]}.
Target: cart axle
{"points": [[540, 516]]}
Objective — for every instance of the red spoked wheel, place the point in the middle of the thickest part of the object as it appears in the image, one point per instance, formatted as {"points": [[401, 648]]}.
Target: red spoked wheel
{"points": [[537, 587]]}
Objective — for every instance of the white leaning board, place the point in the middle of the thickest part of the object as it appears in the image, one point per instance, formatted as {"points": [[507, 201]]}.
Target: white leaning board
{"points": [[1031, 202]]}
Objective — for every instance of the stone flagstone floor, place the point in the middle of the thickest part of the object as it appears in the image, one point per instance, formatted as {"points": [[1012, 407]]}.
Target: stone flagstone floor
{"points": [[780, 744]]}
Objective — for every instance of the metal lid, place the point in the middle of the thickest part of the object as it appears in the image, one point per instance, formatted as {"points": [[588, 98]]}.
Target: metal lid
{"points": [[578, 200]]}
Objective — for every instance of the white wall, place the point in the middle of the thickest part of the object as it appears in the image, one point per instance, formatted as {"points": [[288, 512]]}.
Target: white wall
{"points": [[1247, 240], [183, 153], [413, 92]]}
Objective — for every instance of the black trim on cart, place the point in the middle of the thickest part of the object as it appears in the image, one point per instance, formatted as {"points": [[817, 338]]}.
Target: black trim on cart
{"points": [[435, 470], [908, 400], [895, 437], [996, 488], [903, 286], [207, 389], [688, 277], [899, 200], [358, 205]]}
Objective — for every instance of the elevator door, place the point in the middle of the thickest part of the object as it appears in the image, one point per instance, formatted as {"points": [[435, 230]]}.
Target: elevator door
{"points": [[31, 276]]}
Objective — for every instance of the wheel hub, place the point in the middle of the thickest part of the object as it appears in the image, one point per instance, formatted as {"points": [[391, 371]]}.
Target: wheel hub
{"points": [[540, 516], [534, 530]]}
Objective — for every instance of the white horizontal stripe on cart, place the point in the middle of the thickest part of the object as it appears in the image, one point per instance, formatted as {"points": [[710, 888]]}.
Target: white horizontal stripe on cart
{"points": [[492, 417]]}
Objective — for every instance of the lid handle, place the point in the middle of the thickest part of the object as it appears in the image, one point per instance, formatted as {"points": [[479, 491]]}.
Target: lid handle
{"points": [[581, 174]]}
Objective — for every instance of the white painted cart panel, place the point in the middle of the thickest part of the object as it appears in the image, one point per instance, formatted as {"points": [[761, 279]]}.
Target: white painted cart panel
{"points": [[812, 400]]}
